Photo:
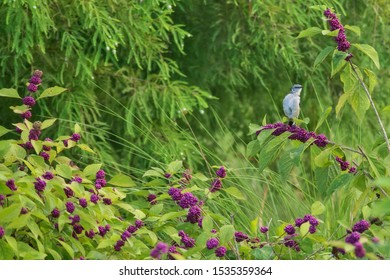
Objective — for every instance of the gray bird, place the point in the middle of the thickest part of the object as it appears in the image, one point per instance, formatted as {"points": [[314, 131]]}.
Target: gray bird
{"points": [[291, 103]]}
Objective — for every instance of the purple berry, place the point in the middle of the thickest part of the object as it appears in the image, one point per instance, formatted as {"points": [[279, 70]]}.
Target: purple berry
{"points": [[221, 172], [289, 229], [94, 198], [48, 175], [40, 185], [360, 252], [35, 80], [29, 101], [361, 226], [352, 238], [299, 222], [55, 213], [32, 87], [11, 184], [100, 174], [2, 232], [220, 252], [83, 202], [212, 243], [216, 185], [107, 201], [70, 207], [264, 229], [75, 137], [240, 236]]}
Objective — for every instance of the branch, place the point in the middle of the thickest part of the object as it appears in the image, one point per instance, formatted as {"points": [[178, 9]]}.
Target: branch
{"points": [[372, 105]]}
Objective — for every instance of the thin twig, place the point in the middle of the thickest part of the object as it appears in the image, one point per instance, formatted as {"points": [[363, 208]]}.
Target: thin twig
{"points": [[345, 147], [372, 105]]}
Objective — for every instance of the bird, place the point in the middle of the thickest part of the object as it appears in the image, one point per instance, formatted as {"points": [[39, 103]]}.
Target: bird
{"points": [[291, 103]]}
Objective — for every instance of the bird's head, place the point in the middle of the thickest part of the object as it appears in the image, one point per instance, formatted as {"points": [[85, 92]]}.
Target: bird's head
{"points": [[296, 89]]}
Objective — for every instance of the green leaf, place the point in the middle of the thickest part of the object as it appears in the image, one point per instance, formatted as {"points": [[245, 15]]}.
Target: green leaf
{"points": [[323, 117], [13, 244], [330, 33], [174, 167], [317, 208], [372, 80], [92, 169], [37, 146], [55, 255], [370, 52], [33, 226], [64, 171], [52, 91], [19, 222], [47, 123], [322, 55], [353, 28], [272, 150], [253, 128], [29, 253], [339, 182], [153, 173], [9, 92], [122, 180], [6, 252], [207, 224], [68, 248], [253, 148], [156, 209], [86, 148], [3, 130], [304, 228], [338, 62], [226, 234], [340, 104], [311, 31], [172, 215], [10, 213], [233, 191]]}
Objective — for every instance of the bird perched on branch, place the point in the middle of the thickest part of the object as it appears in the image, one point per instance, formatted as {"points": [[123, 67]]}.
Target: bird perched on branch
{"points": [[291, 103]]}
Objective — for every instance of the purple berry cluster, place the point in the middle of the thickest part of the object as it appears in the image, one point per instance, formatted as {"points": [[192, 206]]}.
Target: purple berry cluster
{"points": [[240, 236], [216, 185], [264, 229], [220, 252], [35, 81], [354, 237], [160, 249], [127, 233], [11, 184], [152, 198], [297, 133], [212, 243], [344, 165], [100, 181], [308, 218], [187, 241], [342, 43]]}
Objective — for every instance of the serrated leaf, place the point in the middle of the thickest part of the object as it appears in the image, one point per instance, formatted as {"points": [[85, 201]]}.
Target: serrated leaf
{"points": [[322, 55], [52, 91], [233, 191], [317, 208], [121, 180], [370, 52], [311, 31], [47, 123], [226, 233], [9, 92]]}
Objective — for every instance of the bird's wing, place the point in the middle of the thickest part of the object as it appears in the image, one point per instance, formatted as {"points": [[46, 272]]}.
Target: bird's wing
{"points": [[287, 108], [295, 106]]}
